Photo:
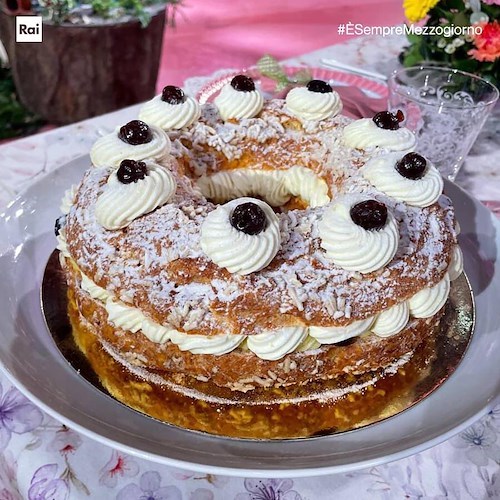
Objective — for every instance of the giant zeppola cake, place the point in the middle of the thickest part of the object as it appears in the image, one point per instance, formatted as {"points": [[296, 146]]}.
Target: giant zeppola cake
{"points": [[249, 252]]}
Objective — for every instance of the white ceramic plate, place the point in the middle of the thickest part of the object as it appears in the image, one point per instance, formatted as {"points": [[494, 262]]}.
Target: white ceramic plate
{"points": [[32, 362]]}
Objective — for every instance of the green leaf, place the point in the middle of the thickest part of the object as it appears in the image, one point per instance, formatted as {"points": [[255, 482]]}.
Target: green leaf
{"points": [[413, 38]]}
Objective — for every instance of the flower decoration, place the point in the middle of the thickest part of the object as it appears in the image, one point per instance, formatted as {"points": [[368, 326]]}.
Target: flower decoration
{"points": [[119, 465], [46, 485], [416, 10], [66, 441], [462, 34], [17, 415], [150, 488], [480, 444], [268, 489], [487, 43]]}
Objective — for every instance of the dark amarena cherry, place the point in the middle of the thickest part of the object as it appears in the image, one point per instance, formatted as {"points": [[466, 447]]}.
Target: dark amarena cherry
{"points": [[248, 218], [242, 83], [135, 132], [412, 166], [131, 171], [173, 95], [370, 214], [388, 120], [319, 86]]}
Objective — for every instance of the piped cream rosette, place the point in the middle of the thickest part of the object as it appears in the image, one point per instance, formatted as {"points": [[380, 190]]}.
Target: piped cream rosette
{"points": [[352, 247], [381, 172], [119, 204], [237, 104], [364, 133], [274, 344], [170, 116], [313, 106], [238, 252], [391, 321], [428, 301], [110, 150]]}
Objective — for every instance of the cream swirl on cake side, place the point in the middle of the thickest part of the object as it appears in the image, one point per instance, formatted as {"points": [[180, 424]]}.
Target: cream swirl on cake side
{"points": [[381, 172], [62, 244], [334, 334], [391, 321], [132, 319], [170, 116], [274, 344], [234, 249], [68, 199], [428, 301], [94, 290], [119, 204], [364, 133], [124, 316], [110, 150], [313, 106], [353, 247], [238, 104], [155, 332], [202, 344], [456, 266]]}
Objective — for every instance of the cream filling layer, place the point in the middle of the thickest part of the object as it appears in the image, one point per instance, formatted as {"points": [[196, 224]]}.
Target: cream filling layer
{"points": [[381, 172], [272, 344], [363, 133], [274, 186]]}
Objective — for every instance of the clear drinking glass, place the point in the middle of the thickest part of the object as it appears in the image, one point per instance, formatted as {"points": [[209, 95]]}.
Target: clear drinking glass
{"points": [[446, 108]]}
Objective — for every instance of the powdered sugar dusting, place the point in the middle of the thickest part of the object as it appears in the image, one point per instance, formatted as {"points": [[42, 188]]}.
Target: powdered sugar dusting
{"points": [[159, 264]]}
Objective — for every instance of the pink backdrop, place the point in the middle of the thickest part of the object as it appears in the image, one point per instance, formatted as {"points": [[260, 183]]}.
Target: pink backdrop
{"points": [[213, 34]]}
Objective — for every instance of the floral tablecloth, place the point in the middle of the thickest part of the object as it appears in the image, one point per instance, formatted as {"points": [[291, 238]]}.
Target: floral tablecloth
{"points": [[41, 459]]}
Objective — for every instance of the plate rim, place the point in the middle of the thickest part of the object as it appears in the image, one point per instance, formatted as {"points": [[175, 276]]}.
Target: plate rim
{"points": [[237, 471]]}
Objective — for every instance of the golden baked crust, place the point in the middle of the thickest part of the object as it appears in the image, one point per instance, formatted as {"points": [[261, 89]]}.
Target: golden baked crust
{"points": [[360, 400]]}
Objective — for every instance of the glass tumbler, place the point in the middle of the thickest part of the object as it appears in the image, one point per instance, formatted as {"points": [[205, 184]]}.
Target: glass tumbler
{"points": [[446, 108]]}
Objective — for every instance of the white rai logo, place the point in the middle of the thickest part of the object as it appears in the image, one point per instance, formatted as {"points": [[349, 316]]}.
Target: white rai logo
{"points": [[28, 28]]}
